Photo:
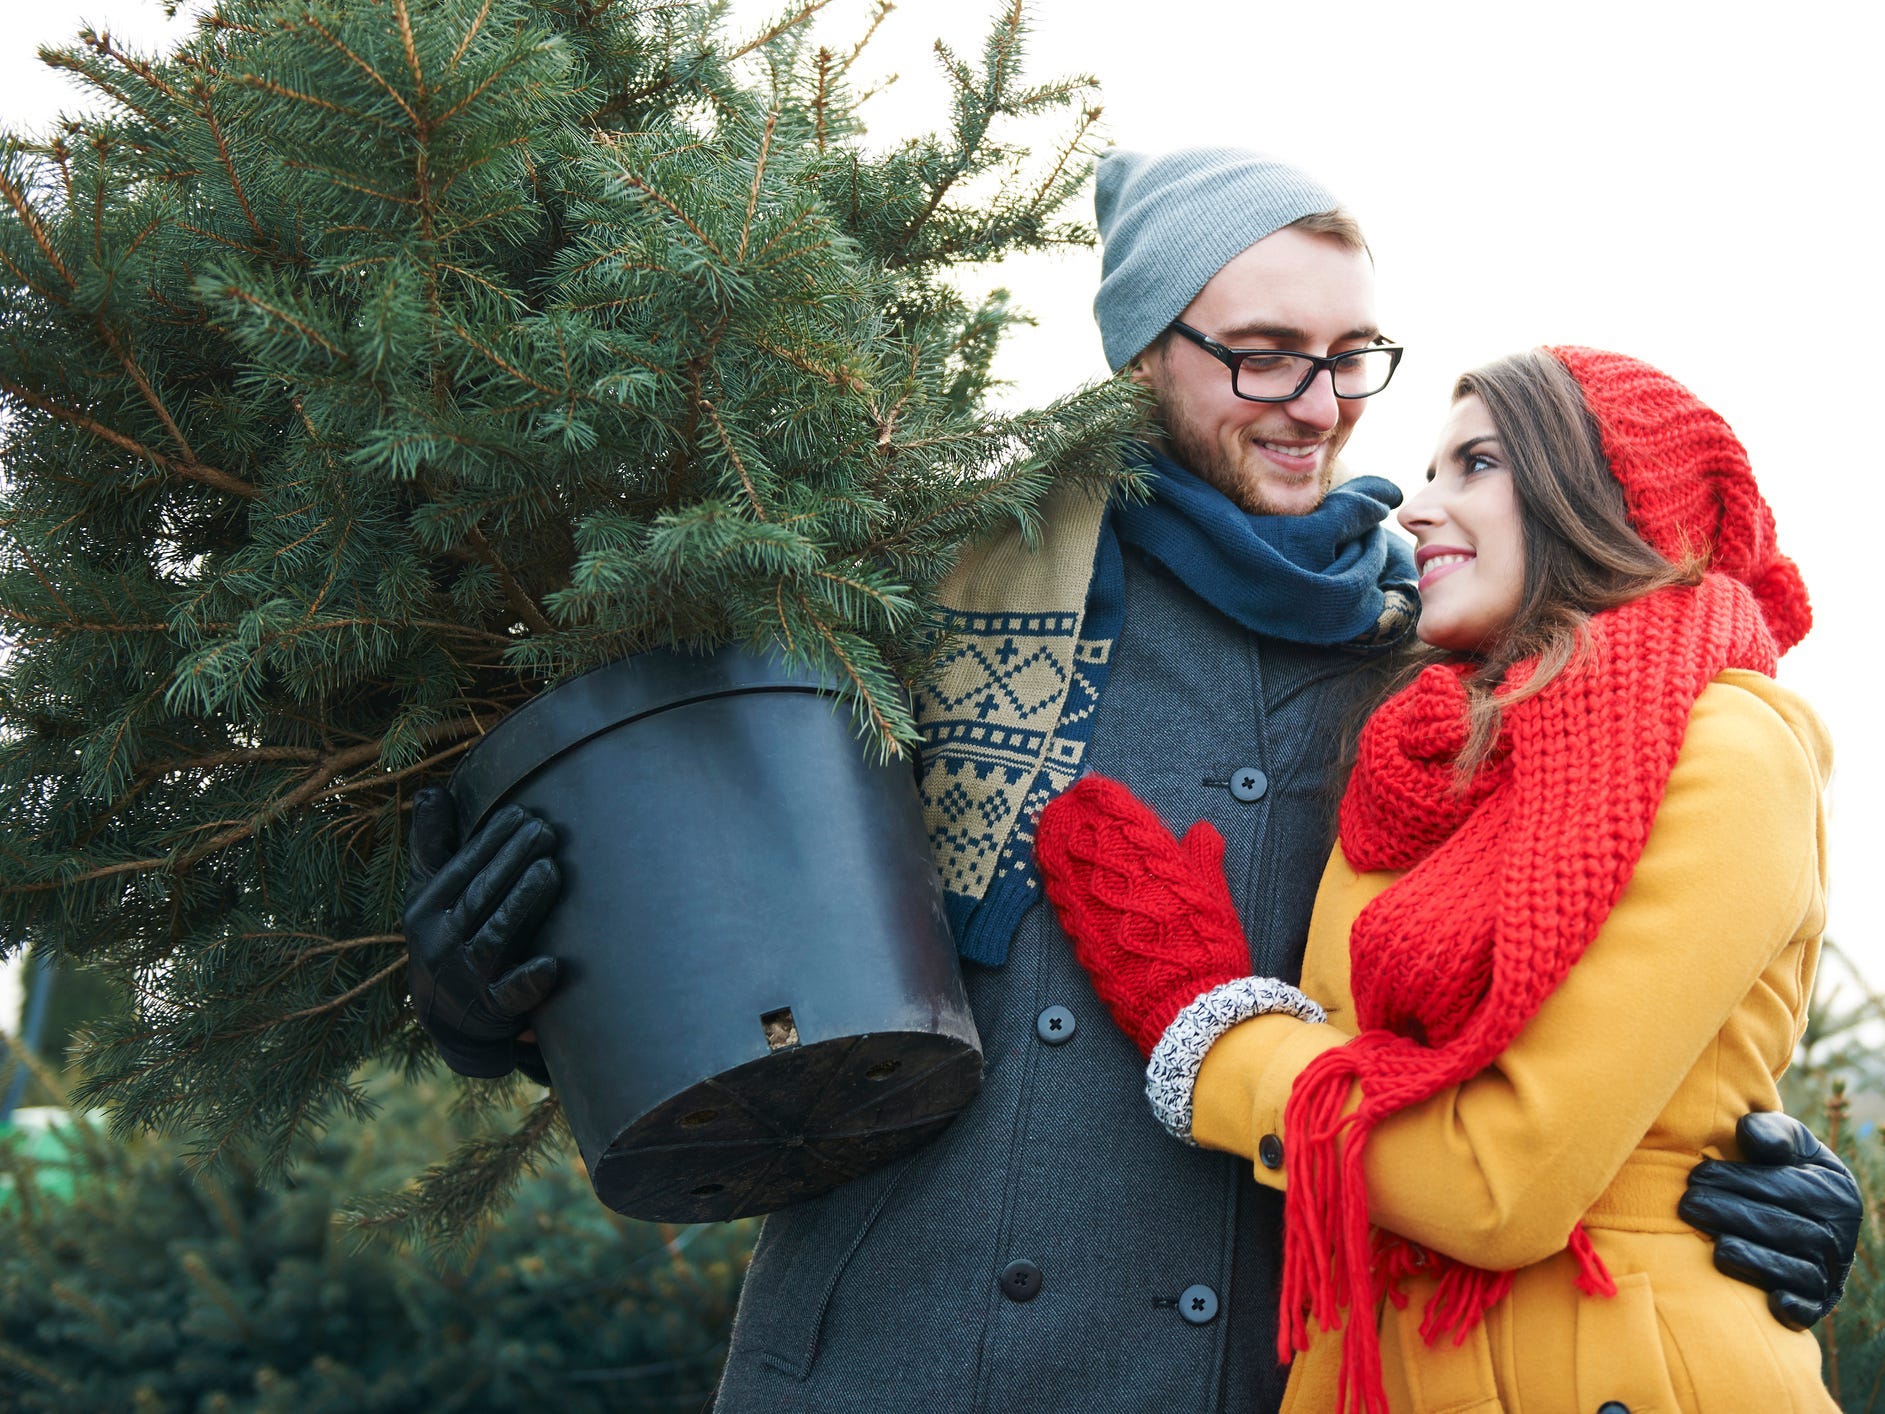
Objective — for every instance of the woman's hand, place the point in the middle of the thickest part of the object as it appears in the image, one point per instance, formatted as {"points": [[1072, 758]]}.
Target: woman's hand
{"points": [[1150, 917]]}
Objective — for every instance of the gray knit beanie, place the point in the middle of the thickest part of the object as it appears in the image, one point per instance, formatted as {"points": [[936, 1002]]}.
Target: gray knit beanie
{"points": [[1171, 221]]}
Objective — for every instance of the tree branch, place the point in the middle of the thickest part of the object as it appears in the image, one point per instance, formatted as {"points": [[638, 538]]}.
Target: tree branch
{"points": [[101, 44], [1088, 117], [521, 603], [229, 166], [235, 756], [820, 95], [882, 723], [295, 95], [307, 331], [759, 175], [641, 186], [837, 377], [790, 22], [407, 43], [385, 778], [35, 228], [418, 124], [311, 785], [726, 441], [189, 470], [144, 388], [471, 33]]}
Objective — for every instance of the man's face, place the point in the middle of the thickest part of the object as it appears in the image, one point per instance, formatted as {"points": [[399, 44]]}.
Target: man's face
{"points": [[1294, 291]]}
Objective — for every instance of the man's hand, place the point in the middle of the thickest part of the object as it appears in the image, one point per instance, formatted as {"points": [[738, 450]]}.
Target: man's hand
{"points": [[470, 916], [1786, 1219]]}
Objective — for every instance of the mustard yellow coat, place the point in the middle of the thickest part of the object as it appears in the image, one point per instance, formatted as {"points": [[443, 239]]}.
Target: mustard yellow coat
{"points": [[1678, 1019]]}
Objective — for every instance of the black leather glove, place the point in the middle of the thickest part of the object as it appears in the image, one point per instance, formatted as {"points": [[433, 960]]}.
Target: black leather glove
{"points": [[1786, 1219], [470, 917]]}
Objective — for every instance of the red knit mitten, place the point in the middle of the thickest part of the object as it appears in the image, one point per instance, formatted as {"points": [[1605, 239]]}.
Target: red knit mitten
{"points": [[1150, 917]]}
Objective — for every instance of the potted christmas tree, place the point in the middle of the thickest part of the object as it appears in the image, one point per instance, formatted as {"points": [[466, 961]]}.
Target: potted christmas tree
{"points": [[370, 367]]}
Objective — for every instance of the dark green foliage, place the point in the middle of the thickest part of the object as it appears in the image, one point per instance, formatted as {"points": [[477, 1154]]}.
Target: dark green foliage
{"points": [[370, 365], [1852, 1339], [1837, 1086], [152, 1289]]}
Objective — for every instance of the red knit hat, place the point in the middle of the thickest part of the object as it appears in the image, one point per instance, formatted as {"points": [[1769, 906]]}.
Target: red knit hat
{"points": [[1686, 481]]}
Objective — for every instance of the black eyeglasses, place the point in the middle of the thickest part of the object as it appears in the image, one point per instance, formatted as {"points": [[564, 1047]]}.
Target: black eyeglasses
{"points": [[1273, 376]]}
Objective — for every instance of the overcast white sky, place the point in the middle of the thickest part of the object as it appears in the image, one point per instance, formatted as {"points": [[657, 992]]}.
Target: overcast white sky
{"points": [[1693, 183]]}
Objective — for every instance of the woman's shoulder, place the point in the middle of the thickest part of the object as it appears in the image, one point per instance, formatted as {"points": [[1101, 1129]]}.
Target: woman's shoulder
{"points": [[1749, 716]]}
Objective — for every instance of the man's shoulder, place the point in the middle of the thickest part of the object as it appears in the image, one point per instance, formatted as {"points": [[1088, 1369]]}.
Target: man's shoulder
{"points": [[1041, 567]]}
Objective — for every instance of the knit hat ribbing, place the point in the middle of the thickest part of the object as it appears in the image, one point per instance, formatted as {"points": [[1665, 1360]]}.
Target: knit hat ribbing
{"points": [[1171, 221], [1687, 484]]}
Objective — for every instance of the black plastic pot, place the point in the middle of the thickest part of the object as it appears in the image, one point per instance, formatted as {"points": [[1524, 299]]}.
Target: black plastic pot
{"points": [[759, 994]]}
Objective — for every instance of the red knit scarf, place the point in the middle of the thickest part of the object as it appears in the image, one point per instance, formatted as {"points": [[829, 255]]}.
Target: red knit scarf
{"points": [[1502, 888]]}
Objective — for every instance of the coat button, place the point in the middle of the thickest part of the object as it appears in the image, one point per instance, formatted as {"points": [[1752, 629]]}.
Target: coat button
{"points": [[1198, 1304], [1613, 1406], [1270, 1152], [1055, 1026], [1247, 783], [1021, 1281]]}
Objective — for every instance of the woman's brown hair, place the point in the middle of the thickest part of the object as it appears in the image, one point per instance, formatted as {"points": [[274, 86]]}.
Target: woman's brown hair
{"points": [[1581, 553]]}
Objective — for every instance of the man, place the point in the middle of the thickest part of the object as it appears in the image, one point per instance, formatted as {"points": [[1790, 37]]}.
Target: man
{"points": [[1054, 1248]]}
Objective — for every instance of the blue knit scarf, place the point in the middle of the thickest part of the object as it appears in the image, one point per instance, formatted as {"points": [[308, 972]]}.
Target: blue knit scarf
{"points": [[1321, 578]]}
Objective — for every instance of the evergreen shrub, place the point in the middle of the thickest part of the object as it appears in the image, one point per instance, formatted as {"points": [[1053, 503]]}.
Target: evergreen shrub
{"points": [[1837, 1087], [154, 1289], [1852, 1339]]}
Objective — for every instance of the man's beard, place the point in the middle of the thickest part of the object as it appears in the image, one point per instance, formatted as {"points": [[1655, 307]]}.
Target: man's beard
{"points": [[1206, 459]]}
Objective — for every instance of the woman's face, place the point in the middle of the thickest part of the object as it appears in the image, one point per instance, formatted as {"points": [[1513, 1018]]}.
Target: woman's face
{"points": [[1469, 543]]}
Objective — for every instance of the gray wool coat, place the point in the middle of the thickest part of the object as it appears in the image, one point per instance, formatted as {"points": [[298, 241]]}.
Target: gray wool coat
{"points": [[1151, 1269]]}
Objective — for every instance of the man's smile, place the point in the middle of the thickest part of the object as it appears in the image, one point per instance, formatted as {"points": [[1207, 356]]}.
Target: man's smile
{"points": [[1302, 457]]}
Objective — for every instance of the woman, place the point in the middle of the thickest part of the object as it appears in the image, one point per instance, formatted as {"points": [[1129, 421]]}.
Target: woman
{"points": [[1567, 935]]}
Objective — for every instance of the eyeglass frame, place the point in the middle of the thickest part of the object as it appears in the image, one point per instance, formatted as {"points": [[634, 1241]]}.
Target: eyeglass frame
{"points": [[1233, 359]]}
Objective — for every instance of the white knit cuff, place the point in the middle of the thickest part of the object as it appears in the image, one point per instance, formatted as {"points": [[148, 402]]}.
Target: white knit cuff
{"points": [[1172, 1072]]}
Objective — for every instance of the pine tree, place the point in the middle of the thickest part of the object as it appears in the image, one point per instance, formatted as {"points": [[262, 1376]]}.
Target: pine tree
{"points": [[370, 365]]}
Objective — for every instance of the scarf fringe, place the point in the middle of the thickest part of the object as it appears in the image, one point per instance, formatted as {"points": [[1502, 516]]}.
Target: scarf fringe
{"points": [[1461, 1300], [1332, 1253], [1328, 1264], [1593, 1277]]}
